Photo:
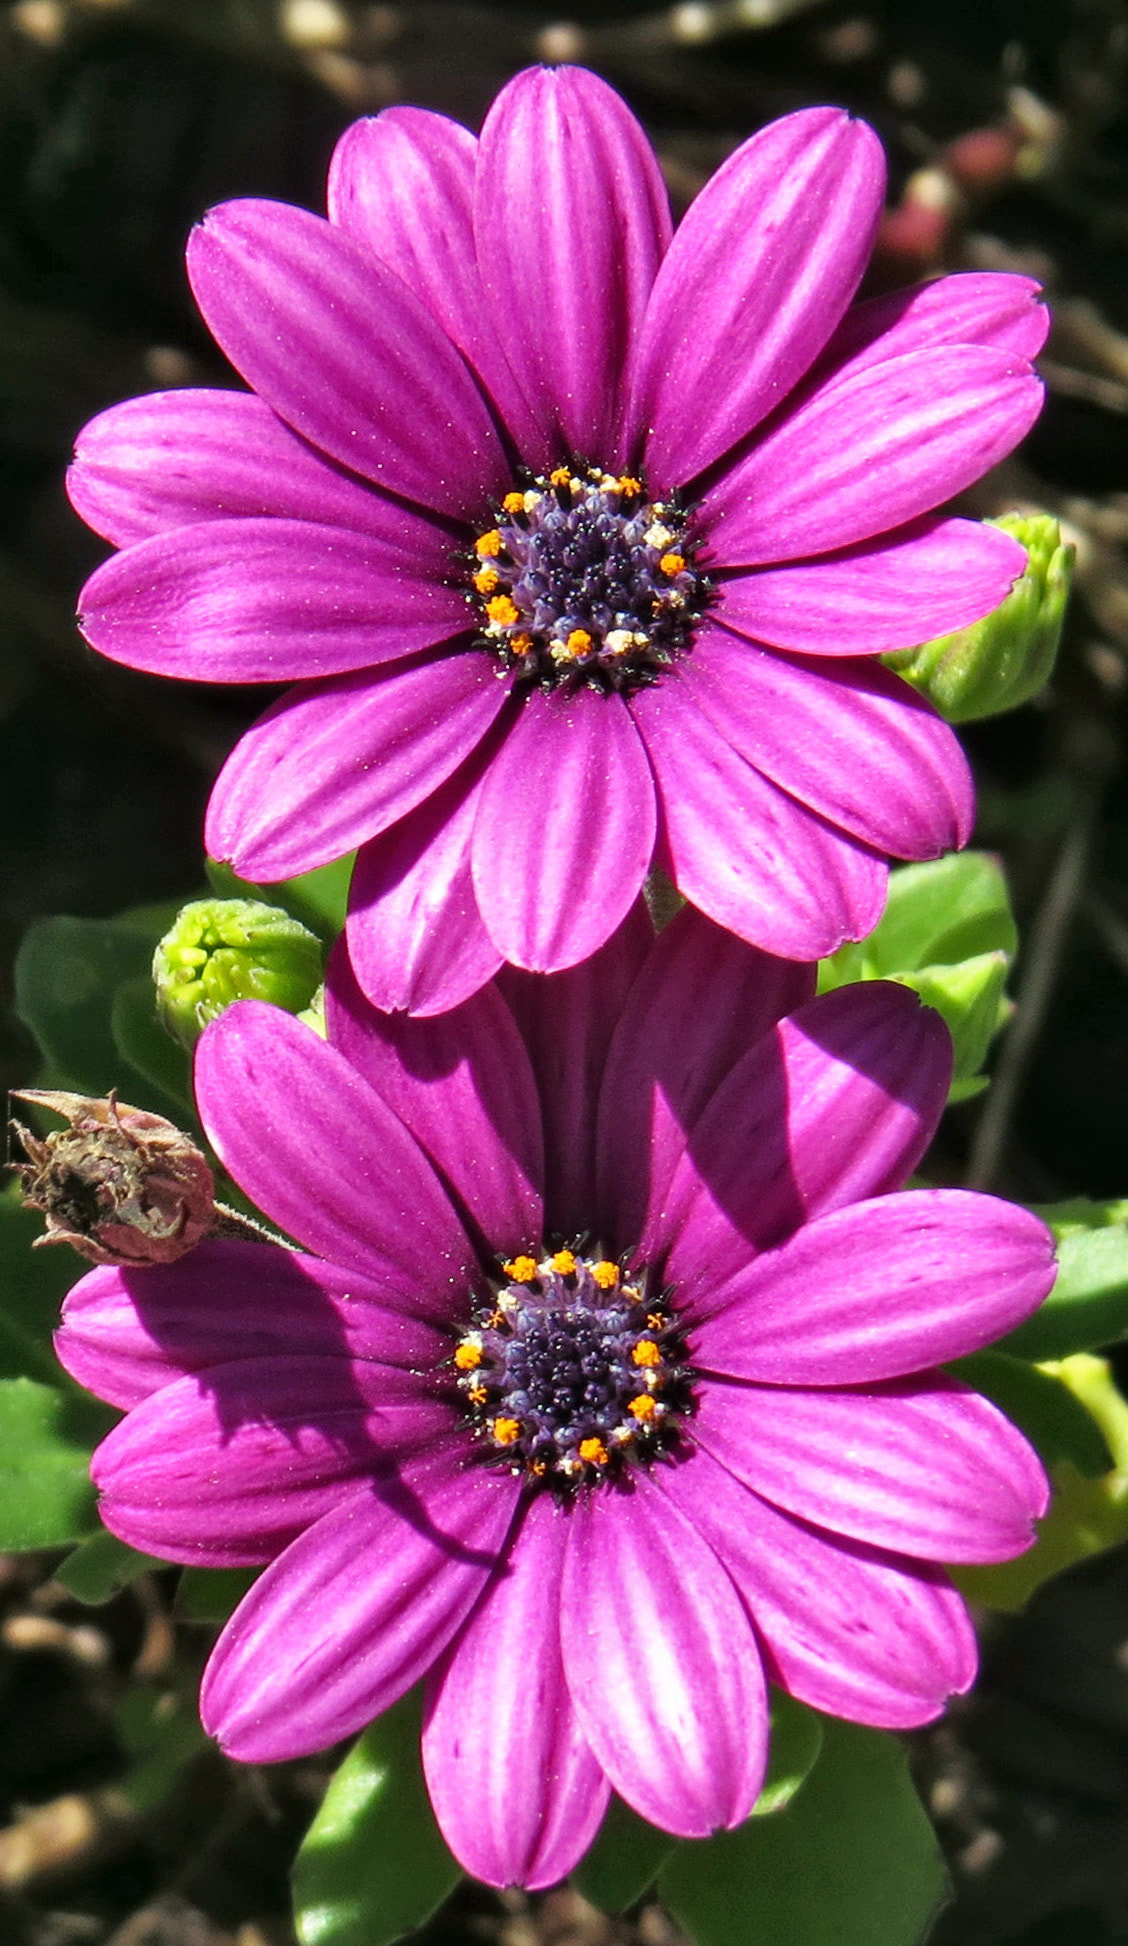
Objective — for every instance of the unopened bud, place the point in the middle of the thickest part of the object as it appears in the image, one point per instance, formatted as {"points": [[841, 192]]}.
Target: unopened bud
{"points": [[222, 950], [1005, 659], [120, 1185]]}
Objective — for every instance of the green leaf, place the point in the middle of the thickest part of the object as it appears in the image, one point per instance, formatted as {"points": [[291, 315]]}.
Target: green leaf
{"points": [[969, 995], [797, 1734], [1088, 1306], [149, 1048], [46, 1439], [624, 1860], [161, 1730], [1052, 1417], [318, 898], [66, 975], [100, 1567], [851, 1861], [950, 909], [373, 1865], [32, 1285], [211, 1594]]}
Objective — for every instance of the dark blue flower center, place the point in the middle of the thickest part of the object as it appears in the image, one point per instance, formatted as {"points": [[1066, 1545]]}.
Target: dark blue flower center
{"points": [[574, 1372], [581, 579]]}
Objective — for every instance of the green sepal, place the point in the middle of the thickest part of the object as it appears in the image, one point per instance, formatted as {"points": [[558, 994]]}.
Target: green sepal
{"points": [[373, 1865], [1088, 1305], [850, 1861], [1051, 1415], [319, 898], [101, 1567], [46, 1439]]}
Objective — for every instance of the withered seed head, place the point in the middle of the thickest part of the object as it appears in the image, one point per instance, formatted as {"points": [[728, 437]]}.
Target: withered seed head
{"points": [[119, 1184]]}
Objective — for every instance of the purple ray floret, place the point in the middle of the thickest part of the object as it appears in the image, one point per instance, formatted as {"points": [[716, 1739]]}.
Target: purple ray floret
{"points": [[604, 1385], [578, 537]]}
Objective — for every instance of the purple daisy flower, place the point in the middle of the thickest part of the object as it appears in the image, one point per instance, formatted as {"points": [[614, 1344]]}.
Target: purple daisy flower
{"points": [[608, 1392], [578, 537]]}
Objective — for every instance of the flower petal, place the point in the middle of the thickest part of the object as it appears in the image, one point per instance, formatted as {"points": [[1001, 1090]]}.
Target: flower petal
{"points": [[760, 271], [315, 1147], [335, 763], [174, 458], [565, 830], [667, 1058], [463, 1085], [886, 594], [976, 307], [922, 1466], [869, 452], [343, 351], [661, 1662], [759, 864], [415, 935], [849, 1630], [838, 1102], [566, 1021], [571, 217], [354, 1612], [517, 1793], [848, 739], [249, 1455], [124, 1333], [270, 600], [402, 184], [882, 1288]]}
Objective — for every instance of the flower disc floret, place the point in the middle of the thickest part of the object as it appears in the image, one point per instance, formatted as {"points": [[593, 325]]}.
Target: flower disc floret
{"points": [[574, 1372], [581, 578]]}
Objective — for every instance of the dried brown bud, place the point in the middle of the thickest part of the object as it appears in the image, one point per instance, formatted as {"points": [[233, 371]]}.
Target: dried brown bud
{"points": [[122, 1186]]}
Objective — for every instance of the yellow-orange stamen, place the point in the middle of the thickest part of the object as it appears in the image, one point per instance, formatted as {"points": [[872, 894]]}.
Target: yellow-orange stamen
{"points": [[489, 543], [579, 642], [506, 1431], [593, 1452], [477, 1395], [672, 564], [486, 580], [520, 644], [560, 476], [468, 1356], [643, 1408], [606, 1275], [521, 1270], [564, 1263], [502, 609], [627, 483], [646, 1354], [514, 503]]}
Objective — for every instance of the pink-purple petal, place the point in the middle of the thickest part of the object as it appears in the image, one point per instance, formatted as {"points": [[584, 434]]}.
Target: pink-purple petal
{"points": [[976, 307], [850, 740], [336, 762], [415, 936], [757, 862], [700, 1000], [880, 1289], [271, 600], [884, 594], [571, 217], [357, 1609], [514, 1785], [463, 1084], [565, 829], [402, 184], [343, 351], [870, 452], [759, 273], [847, 1628], [836, 1103], [174, 458], [124, 1333], [663, 1667], [264, 1448], [922, 1466], [324, 1157]]}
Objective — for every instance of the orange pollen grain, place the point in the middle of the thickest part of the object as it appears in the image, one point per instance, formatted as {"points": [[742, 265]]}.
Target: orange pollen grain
{"points": [[643, 1408], [489, 544], [522, 1270], [627, 483], [514, 503], [486, 580], [579, 642], [520, 644], [645, 1353], [656, 1321], [606, 1275], [564, 1263], [672, 563], [560, 476], [468, 1357], [593, 1452], [501, 609], [505, 1431], [478, 1394]]}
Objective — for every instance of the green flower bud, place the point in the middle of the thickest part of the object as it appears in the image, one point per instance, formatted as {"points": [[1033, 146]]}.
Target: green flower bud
{"points": [[222, 950], [1002, 661]]}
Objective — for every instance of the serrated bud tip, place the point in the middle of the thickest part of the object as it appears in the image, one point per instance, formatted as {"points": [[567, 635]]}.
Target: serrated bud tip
{"points": [[222, 950]]}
